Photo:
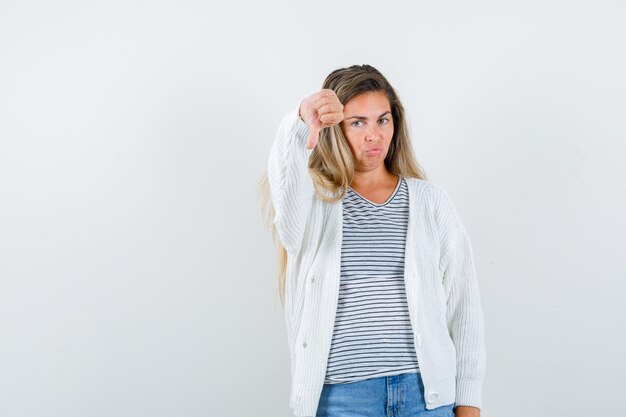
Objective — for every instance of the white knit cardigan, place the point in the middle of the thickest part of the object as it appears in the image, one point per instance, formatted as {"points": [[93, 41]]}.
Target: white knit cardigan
{"points": [[439, 274]]}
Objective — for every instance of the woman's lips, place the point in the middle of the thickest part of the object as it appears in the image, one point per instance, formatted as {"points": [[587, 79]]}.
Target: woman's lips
{"points": [[373, 151]]}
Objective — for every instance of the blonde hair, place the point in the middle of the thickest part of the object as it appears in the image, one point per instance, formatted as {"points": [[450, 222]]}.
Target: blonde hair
{"points": [[331, 163]]}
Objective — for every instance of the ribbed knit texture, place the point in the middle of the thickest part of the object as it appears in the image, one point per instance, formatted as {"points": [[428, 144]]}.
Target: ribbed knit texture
{"points": [[439, 274]]}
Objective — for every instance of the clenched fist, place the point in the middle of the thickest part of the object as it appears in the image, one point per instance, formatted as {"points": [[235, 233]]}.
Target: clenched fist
{"points": [[319, 110]]}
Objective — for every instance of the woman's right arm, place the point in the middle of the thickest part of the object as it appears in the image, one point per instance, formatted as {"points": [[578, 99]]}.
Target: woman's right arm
{"points": [[291, 185]]}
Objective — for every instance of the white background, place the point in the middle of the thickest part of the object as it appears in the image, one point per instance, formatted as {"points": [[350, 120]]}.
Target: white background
{"points": [[136, 275]]}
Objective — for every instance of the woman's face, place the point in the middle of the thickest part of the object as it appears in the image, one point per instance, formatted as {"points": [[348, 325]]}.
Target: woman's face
{"points": [[368, 127]]}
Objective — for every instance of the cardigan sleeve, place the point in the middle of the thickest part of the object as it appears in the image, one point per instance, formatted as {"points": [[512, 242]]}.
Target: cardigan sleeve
{"points": [[291, 185], [464, 311]]}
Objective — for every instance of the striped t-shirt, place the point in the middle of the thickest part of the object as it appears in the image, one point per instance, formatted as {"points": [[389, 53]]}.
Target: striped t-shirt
{"points": [[372, 335]]}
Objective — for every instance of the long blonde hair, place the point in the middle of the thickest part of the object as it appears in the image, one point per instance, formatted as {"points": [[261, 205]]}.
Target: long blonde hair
{"points": [[331, 163]]}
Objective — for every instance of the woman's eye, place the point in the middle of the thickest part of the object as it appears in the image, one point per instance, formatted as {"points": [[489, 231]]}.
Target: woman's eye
{"points": [[356, 121], [385, 121]]}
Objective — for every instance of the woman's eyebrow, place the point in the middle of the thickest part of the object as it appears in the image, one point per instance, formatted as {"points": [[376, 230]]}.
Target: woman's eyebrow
{"points": [[365, 118]]}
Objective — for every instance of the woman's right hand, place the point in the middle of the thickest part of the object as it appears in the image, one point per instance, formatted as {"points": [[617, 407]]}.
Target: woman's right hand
{"points": [[319, 110]]}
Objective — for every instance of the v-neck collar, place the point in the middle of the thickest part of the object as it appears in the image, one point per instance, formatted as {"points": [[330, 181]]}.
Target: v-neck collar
{"points": [[393, 194]]}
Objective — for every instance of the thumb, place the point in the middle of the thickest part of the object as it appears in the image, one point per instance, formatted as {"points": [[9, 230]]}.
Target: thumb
{"points": [[314, 134]]}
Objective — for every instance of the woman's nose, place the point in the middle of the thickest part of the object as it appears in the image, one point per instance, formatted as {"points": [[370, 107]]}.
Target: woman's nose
{"points": [[371, 133]]}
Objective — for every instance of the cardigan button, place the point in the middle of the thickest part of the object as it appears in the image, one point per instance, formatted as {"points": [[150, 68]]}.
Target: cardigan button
{"points": [[432, 397], [304, 344]]}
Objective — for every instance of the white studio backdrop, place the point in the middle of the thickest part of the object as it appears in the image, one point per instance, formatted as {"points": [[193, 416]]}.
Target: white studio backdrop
{"points": [[136, 275]]}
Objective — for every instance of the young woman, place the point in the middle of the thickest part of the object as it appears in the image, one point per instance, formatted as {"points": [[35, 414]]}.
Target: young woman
{"points": [[377, 277]]}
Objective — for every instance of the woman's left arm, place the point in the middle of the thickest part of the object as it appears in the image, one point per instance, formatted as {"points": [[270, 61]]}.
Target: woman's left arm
{"points": [[464, 311]]}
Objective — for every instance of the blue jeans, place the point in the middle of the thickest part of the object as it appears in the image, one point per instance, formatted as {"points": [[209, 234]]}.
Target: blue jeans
{"points": [[387, 396]]}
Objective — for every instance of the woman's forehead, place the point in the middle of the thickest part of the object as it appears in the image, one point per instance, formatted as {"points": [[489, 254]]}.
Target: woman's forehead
{"points": [[371, 103]]}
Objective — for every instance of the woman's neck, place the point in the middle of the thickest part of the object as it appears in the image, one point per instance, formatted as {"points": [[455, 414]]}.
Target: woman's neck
{"points": [[372, 179]]}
